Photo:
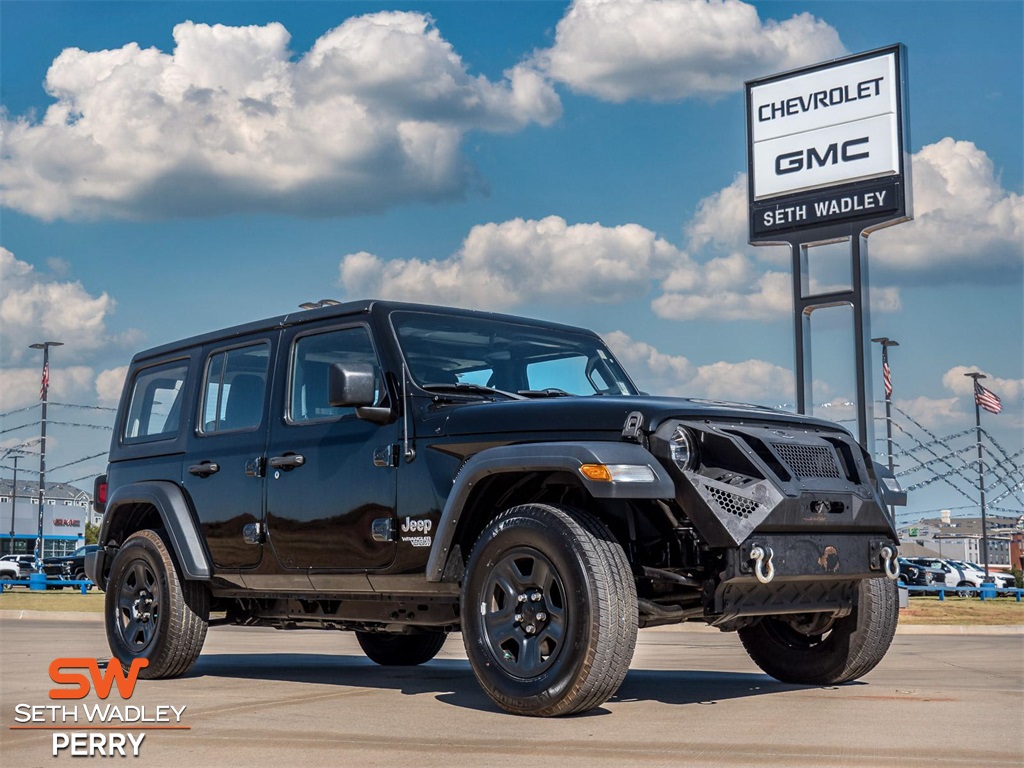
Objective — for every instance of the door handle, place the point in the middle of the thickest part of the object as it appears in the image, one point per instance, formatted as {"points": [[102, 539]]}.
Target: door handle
{"points": [[205, 469], [290, 461]]}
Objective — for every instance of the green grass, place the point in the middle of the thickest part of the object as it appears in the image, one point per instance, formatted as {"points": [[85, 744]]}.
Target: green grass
{"points": [[962, 610], [67, 599]]}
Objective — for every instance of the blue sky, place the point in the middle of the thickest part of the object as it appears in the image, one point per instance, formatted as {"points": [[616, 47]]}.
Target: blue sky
{"points": [[170, 168]]}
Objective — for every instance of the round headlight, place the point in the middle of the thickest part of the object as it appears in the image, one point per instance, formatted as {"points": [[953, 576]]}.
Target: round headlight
{"points": [[683, 448]]}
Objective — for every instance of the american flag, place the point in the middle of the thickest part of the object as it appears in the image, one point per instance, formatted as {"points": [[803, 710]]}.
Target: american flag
{"points": [[887, 378], [986, 398], [46, 382]]}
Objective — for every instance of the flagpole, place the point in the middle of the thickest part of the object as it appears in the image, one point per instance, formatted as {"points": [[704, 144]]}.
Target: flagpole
{"points": [[44, 389], [981, 468], [886, 342]]}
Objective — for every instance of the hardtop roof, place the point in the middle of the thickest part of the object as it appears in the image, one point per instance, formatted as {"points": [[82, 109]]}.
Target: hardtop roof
{"points": [[350, 308]]}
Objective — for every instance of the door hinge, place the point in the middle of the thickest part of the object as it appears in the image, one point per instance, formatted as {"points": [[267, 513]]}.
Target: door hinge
{"points": [[383, 529], [257, 467], [386, 456], [252, 533]]}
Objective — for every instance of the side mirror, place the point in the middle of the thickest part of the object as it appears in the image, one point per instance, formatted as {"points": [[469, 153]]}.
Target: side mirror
{"points": [[354, 385], [351, 385]]}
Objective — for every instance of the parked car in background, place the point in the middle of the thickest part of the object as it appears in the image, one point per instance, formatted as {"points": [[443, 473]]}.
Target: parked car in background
{"points": [[27, 564], [1001, 580], [954, 575], [918, 575], [9, 571], [70, 566]]}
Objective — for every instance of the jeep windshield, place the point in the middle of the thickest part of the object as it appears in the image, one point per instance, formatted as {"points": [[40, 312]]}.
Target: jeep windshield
{"points": [[493, 357]]}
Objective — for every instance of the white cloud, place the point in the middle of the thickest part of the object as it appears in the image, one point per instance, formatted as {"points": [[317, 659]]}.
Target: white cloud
{"points": [[503, 265], [548, 260], [373, 115], [964, 223], [35, 308], [1009, 391], [652, 370], [747, 296], [109, 384], [663, 374], [934, 412], [664, 50], [20, 387]]}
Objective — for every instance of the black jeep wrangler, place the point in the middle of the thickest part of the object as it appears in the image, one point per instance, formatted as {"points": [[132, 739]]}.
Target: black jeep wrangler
{"points": [[406, 471]]}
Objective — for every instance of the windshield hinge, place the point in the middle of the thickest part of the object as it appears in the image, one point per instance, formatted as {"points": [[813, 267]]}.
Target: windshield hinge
{"points": [[632, 430]]}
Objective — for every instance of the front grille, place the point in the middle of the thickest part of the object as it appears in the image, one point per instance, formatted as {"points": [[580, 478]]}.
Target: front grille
{"points": [[809, 460], [732, 503]]}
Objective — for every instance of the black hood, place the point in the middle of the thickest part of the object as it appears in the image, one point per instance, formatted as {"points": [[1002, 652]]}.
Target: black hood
{"points": [[603, 414]]}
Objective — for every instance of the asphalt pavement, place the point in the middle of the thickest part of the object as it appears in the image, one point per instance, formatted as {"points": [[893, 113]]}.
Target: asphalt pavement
{"points": [[260, 697]]}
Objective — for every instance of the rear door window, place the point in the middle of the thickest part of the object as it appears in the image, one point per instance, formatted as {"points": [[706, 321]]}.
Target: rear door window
{"points": [[234, 389]]}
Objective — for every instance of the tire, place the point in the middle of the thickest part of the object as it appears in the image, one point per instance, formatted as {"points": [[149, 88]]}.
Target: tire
{"points": [[560, 571], [846, 650], [151, 612], [394, 650], [81, 576]]}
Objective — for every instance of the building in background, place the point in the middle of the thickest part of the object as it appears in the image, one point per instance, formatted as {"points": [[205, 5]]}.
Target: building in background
{"points": [[960, 538], [66, 510]]}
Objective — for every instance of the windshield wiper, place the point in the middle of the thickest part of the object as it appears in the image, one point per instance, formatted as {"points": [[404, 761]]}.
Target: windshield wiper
{"points": [[471, 389], [546, 392]]}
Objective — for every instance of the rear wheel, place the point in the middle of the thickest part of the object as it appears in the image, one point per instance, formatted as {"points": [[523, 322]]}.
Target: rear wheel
{"points": [[151, 611], [81, 576], [549, 611], [813, 650], [394, 650]]}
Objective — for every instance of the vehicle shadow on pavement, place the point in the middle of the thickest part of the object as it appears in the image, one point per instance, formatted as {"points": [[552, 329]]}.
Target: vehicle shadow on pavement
{"points": [[696, 686], [452, 681]]}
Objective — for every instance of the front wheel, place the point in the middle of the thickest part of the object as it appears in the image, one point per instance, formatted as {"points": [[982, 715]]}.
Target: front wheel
{"points": [[394, 650], [549, 611], [151, 611], [814, 651]]}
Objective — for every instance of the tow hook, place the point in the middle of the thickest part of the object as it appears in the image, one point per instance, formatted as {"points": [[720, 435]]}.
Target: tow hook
{"points": [[889, 562], [764, 568]]}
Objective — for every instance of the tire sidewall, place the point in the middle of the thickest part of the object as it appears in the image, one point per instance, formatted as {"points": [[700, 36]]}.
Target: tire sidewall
{"points": [[139, 548], [549, 537], [854, 646]]}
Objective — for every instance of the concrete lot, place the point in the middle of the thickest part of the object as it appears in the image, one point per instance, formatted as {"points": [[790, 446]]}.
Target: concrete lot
{"points": [[692, 697]]}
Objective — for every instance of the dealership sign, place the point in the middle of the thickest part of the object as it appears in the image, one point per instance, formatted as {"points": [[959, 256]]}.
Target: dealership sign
{"points": [[827, 145]]}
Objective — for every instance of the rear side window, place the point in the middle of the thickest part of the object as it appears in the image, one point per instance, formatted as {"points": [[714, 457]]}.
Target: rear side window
{"points": [[154, 412], [234, 389]]}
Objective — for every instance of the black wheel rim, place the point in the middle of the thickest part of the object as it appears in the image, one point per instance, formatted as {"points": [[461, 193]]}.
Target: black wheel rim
{"points": [[523, 608], [139, 602], [800, 633]]}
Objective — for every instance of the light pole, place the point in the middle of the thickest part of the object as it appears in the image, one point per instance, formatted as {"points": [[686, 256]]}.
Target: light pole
{"points": [[886, 342], [981, 467], [14, 498], [44, 389]]}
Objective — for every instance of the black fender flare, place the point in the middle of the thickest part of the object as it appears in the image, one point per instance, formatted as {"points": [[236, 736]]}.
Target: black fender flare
{"points": [[538, 457], [176, 515]]}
